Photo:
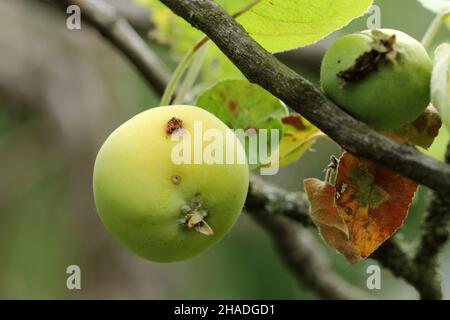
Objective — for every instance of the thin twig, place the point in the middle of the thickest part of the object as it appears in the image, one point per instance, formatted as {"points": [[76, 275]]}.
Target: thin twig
{"points": [[186, 61], [116, 30], [136, 15]]}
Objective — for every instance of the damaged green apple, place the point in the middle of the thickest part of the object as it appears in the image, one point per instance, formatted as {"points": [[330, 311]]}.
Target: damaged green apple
{"points": [[160, 209], [381, 77]]}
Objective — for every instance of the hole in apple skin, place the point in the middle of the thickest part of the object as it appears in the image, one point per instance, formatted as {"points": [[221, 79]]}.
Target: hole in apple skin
{"points": [[176, 179], [173, 125], [383, 50]]}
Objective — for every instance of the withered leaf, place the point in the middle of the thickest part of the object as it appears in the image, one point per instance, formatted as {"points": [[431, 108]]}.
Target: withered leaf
{"points": [[421, 131], [372, 200], [324, 214], [365, 207]]}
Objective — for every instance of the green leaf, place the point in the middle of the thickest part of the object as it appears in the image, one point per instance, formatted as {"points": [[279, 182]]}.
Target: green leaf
{"points": [[280, 25], [243, 105], [440, 85], [298, 137]]}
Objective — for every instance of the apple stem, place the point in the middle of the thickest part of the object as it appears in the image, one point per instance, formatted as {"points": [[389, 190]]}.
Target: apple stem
{"points": [[187, 59], [179, 71], [331, 168]]}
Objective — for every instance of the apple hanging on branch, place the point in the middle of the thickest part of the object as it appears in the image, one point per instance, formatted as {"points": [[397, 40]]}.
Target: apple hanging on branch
{"points": [[162, 210], [381, 77]]}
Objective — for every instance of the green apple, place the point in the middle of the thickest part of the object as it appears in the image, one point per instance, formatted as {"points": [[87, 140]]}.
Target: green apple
{"points": [[161, 209], [381, 77]]}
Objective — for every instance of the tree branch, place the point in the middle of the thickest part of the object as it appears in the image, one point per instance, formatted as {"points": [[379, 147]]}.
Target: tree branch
{"points": [[262, 68], [392, 256], [265, 202], [434, 236], [272, 200], [296, 245], [116, 30], [298, 249], [136, 15]]}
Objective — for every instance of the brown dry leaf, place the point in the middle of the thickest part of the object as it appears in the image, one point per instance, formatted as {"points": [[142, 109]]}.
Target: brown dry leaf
{"points": [[368, 202], [367, 205], [372, 200], [324, 214], [422, 131]]}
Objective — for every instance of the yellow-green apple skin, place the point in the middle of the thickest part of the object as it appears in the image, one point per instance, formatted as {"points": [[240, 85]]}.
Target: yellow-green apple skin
{"points": [[140, 192], [395, 94]]}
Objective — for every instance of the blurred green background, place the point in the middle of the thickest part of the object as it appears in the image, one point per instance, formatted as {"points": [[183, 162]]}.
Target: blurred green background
{"points": [[61, 93]]}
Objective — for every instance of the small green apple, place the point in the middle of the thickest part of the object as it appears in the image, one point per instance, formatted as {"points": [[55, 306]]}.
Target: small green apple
{"points": [[161, 210], [381, 77]]}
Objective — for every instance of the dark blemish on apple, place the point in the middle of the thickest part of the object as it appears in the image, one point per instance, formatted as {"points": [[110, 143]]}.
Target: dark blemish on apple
{"points": [[176, 179], [173, 125], [368, 62], [294, 120], [232, 106], [222, 96]]}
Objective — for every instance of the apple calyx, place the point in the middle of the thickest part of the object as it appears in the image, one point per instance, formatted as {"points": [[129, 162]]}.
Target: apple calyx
{"points": [[194, 217]]}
